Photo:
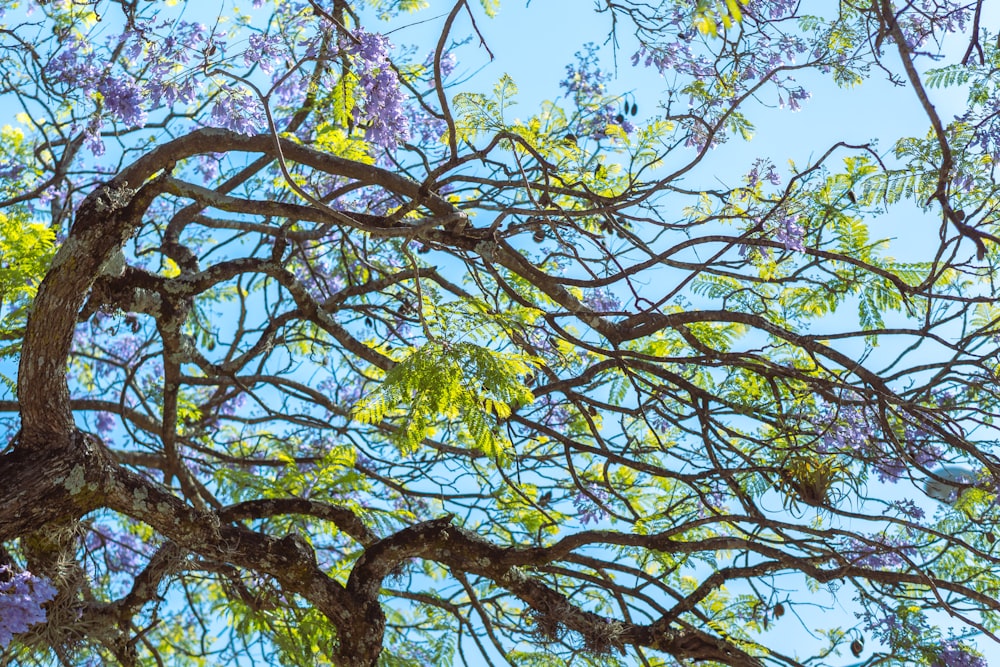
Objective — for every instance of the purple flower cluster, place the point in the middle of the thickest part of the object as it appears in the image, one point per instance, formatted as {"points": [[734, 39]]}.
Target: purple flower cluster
{"points": [[238, 110], [381, 103], [879, 552], [166, 79], [895, 628], [588, 510], [123, 552], [673, 56], [774, 9], [602, 301], [926, 19], [796, 95], [265, 50], [21, 600], [770, 174], [790, 233], [586, 84], [123, 100], [855, 431], [954, 654], [105, 424], [908, 508]]}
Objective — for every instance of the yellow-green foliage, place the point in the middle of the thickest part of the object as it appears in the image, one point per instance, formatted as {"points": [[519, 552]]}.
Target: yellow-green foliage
{"points": [[465, 384], [26, 248]]}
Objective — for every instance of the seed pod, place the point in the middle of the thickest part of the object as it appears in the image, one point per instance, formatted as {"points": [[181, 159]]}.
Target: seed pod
{"points": [[570, 138], [857, 646], [635, 108], [852, 196], [619, 119], [591, 410], [778, 611], [538, 236], [990, 537]]}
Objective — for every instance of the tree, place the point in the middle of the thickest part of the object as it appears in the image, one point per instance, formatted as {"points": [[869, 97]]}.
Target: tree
{"points": [[325, 357]]}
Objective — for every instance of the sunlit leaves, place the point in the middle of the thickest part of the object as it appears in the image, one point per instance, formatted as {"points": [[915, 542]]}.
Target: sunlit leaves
{"points": [[711, 15], [477, 112], [462, 383]]}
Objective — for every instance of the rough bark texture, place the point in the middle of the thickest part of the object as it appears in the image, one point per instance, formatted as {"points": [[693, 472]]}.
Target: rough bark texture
{"points": [[55, 474]]}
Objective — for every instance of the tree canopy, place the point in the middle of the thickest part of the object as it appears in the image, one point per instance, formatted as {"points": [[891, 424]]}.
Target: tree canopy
{"points": [[319, 350]]}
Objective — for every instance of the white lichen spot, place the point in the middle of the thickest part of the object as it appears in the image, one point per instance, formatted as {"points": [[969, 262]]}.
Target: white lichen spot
{"points": [[139, 497], [76, 480], [114, 199]]}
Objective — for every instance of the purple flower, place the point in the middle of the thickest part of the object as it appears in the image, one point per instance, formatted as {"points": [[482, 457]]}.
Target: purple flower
{"points": [[775, 9], [770, 174], [602, 301], [105, 423], [954, 654], [92, 137], [791, 233], [587, 84], [895, 627], [879, 552], [123, 99], [908, 508], [238, 110], [588, 505], [233, 405], [264, 50], [122, 551], [382, 99], [21, 600], [796, 96]]}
